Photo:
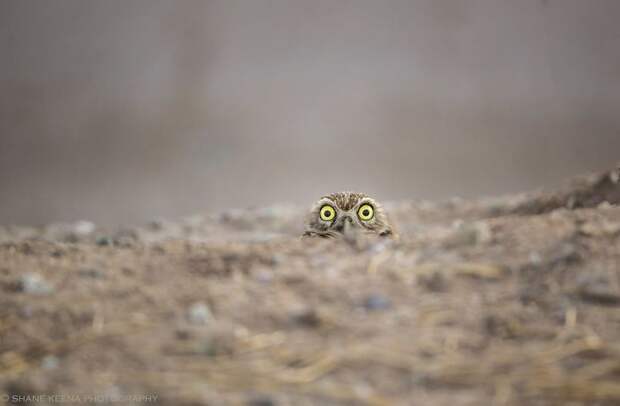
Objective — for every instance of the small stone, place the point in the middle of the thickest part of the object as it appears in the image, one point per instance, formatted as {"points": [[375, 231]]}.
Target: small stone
{"points": [[306, 318], [377, 302], [261, 400], [33, 283], [57, 253], [497, 326], [535, 258], [183, 334], [126, 238], [232, 215], [83, 228], [50, 362], [264, 276], [277, 259], [128, 271], [433, 282], [597, 289], [103, 241], [199, 313], [92, 273]]}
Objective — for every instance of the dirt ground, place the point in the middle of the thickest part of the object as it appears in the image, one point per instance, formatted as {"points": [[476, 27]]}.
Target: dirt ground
{"points": [[505, 301]]}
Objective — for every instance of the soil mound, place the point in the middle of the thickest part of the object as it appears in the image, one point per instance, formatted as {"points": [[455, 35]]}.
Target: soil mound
{"points": [[513, 300]]}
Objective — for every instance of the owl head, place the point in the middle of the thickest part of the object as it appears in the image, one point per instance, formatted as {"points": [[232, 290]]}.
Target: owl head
{"points": [[340, 214]]}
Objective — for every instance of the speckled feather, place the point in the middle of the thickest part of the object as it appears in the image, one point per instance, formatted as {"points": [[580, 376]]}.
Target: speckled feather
{"points": [[346, 205], [345, 200]]}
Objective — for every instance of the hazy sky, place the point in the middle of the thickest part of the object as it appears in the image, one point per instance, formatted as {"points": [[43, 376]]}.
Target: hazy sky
{"points": [[121, 111]]}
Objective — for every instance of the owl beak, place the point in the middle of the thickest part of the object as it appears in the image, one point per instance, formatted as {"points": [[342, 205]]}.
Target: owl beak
{"points": [[348, 228]]}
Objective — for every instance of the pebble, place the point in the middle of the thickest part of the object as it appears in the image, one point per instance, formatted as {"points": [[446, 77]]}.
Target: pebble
{"points": [[199, 313], [33, 283], [126, 237], [264, 276], [232, 215], [261, 400], [277, 259], [84, 228], [103, 241], [597, 289], [434, 282], [306, 317], [377, 302], [50, 362], [91, 273], [183, 334], [57, 253], [535, 258]]}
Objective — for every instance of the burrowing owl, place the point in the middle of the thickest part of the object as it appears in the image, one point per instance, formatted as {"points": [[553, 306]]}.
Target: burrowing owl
{"points": [[341, 214]]}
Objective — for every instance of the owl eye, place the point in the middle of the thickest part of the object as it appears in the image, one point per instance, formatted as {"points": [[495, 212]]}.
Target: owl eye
{"points": [[366, 212], [327, 213]]}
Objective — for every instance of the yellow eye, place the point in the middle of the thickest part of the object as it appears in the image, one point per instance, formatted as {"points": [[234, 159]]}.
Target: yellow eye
{"points": [[327, 213], [366, 212]]}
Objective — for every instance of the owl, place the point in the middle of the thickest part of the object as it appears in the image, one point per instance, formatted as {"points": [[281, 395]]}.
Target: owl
{"points": [[345, 213]]}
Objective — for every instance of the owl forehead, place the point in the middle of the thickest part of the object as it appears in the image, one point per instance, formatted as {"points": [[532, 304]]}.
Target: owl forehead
{"points": [[346, 200]]}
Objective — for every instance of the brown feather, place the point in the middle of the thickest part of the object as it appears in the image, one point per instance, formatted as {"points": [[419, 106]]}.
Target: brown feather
{"points": [[346, 205]]}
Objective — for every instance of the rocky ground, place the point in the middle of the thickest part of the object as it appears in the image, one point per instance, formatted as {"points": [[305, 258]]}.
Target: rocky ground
{"points": [[506, 301]]}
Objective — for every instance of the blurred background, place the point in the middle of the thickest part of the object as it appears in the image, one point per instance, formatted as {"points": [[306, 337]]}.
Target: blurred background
{"points": [[120, 111]]}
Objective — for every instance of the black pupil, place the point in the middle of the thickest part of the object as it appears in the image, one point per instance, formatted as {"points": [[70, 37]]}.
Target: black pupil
{"points": [[327, 213], [365, 212]]}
